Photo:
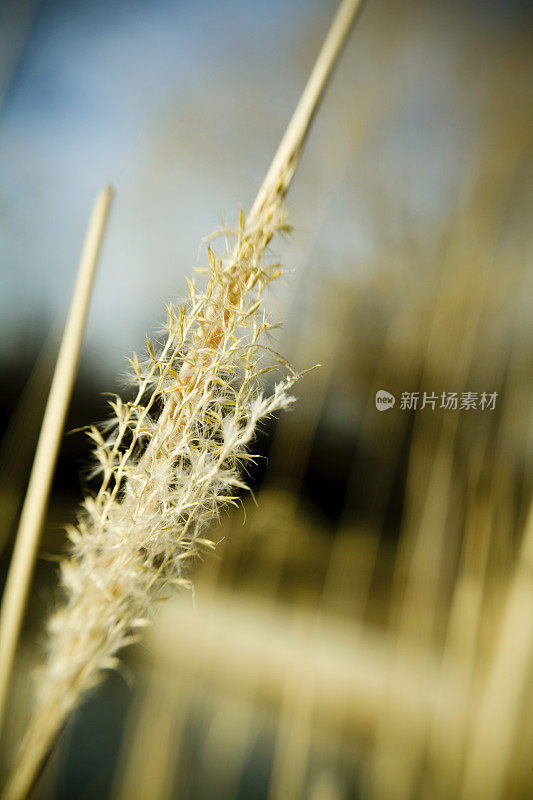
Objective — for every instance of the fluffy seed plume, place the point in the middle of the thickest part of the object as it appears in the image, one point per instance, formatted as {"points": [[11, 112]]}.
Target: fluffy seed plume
{"points": [[171, 458], [169, 461]]}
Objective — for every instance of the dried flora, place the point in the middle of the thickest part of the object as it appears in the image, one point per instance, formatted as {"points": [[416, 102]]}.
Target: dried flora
{"points": [[173, 457], [169, 461]]}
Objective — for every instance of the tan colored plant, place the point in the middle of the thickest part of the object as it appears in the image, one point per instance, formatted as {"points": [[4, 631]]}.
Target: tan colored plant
{"points": [[171, 458]]}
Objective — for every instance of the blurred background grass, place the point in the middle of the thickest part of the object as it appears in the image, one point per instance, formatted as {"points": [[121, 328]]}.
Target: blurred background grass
{"points": [[385, 567]]}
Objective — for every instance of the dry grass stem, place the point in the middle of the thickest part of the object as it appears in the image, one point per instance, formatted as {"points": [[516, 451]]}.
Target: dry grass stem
{"points": [[172, 457], [36, 501]]}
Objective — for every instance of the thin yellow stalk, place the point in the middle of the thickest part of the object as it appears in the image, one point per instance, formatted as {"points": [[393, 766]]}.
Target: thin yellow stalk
{"points": [[36, 500], [501, 707], [293, 737], [283, 165], [147, 767]]}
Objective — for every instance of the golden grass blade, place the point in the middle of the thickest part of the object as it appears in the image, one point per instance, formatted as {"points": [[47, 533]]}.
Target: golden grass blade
{"points": [[498, 720], [447, 744], [35, 503], [294, 734], [147, 771], [282, 169]]}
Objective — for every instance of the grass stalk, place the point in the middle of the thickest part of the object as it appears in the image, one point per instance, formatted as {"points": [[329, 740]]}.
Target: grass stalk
{"points": [[497, 723], [36, 500]]}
